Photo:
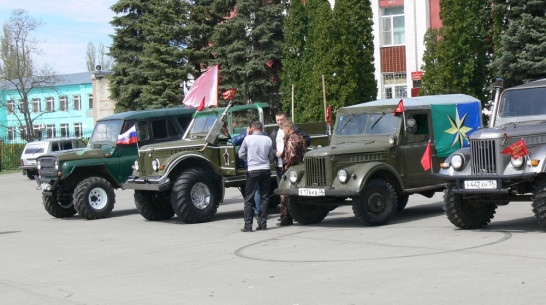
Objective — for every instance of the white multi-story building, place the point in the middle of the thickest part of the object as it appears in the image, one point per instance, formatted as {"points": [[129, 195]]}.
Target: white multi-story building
{"points": [[399, 30]]}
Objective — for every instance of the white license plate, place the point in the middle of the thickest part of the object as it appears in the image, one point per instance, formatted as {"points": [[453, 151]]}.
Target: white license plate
{"points": [[310, 192], [480, 184]]}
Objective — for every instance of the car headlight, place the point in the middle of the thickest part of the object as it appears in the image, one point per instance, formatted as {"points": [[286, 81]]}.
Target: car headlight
{"points": [[343, 175], [293, 176], [135, 166], [39, 165], [57, 165], [518, 163], [457, 161], [156, 164]]}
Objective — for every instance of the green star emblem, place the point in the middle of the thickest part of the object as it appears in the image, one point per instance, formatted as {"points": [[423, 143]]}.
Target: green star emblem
{"points": [[458, 129]]}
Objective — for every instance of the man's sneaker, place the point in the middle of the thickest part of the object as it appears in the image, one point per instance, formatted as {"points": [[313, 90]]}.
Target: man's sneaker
{"points": [[246, 230], [259, 228]]}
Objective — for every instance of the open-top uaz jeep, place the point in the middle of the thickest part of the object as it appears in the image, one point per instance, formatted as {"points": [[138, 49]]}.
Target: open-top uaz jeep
{"points": [[83, 180], [373, 161], [482, 177], [188, 177]]}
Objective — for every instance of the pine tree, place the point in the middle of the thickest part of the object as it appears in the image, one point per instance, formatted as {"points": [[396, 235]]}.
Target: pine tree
{"points": [[295, 33], [354, 81], [317, 60], [148, 47], [521, 52], [463, 51], [248, 48]]}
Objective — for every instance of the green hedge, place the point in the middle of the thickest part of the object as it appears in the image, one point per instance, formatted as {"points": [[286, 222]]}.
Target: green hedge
{"points": [[11, 155]]}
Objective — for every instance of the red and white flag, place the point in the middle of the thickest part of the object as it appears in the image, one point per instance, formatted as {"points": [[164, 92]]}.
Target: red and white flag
{"points": [[205, 88], [516, 150], [329, 115]]}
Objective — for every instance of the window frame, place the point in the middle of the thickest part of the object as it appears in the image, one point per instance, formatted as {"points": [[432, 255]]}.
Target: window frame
{"points": [[63, 103], [50, 131], [36, 105], [391, 33], [50, 104], [77, 100]]}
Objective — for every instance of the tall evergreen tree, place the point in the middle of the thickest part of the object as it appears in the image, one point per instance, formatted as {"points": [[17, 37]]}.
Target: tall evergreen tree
{"points": [[317, 60], [248, 48], [463, 51], [354, 81], [148, 49], [521, 52], [295, 33]]}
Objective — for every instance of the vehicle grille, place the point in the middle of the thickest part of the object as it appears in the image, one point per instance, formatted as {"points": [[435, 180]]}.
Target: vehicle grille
{"points": [[483, 157], [315, 171], [48, 166]]}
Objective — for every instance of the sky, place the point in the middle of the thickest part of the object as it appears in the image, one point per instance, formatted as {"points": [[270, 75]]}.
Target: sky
{"points": [[67, 27]]}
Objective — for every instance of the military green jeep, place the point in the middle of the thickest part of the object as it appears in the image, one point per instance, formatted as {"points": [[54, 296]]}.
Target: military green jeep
{"points": [[83, 180], [373, 162], [188, 177]]}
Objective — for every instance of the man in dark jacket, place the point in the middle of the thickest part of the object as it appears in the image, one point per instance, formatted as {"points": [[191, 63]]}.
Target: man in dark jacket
{"points": [[277, 136]]}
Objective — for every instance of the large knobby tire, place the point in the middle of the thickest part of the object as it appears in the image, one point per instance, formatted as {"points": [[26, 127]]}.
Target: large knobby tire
{"points": [[153, 205], [306, 214], [94, 198], [58, 209], [376, 204], [467, 214], [402, 201], [194, 196], [539, 202]]}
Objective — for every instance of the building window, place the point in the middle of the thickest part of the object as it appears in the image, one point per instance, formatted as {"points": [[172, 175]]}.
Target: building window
{"points": [[23, 132], [36, 105], [78, 130], [11, 134], [393, 28], [64, 130], [23, 106], [50, 131], [77, 102], [50, 104], [37, 129], [63, 103], [395, 85], [90, 98], [10, 106]]}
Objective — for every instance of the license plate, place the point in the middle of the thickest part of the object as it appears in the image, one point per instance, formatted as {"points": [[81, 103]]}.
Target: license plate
{"points": [[480, 184], [311, 192]]}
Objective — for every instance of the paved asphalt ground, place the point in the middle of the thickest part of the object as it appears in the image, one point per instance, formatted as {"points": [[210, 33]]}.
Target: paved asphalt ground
{"points": [[418, 258]]}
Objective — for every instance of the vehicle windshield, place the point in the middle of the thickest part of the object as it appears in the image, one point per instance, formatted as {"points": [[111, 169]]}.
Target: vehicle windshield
{"points": [[367, 124], [201, 125], [106, 131], [524, 102]]}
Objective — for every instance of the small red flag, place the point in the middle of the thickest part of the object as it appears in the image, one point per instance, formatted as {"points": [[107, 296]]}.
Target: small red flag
{"points": [[202, 105], [399, 108], [229, 94], [426, 160], [516, 150], [329, 115]]}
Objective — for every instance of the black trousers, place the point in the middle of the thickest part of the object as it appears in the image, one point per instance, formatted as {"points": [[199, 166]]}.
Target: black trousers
{"points": [[261, 178]]}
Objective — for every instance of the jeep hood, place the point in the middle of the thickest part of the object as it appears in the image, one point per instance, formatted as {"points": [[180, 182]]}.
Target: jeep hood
{"points": [[178, 144], [511, 129], [83, 153], [364, 146]]}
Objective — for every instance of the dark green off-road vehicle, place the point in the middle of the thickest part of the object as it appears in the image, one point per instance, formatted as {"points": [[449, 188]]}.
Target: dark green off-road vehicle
{"points": [[373, 161], [84, 180], [188, 177]]}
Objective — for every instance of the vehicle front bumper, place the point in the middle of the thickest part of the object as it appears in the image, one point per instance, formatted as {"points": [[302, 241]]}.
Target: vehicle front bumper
{"points": [[504, 182], [47, 184], [158, 184]]}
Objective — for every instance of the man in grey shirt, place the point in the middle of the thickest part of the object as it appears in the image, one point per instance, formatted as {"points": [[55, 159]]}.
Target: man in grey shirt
{"points": [[257, 150]]}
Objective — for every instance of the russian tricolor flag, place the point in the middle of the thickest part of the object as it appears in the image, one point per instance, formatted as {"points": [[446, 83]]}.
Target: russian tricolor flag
{"points": [[128, 137]]}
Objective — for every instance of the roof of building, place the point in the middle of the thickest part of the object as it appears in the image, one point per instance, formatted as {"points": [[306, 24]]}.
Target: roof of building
{"points": [[64, 79]]}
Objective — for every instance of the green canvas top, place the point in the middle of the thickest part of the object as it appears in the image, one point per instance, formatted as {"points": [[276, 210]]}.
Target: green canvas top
{"points": [[412, 103]]}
